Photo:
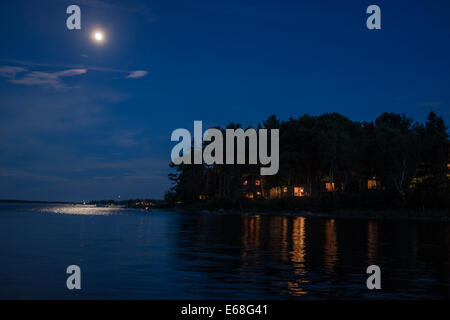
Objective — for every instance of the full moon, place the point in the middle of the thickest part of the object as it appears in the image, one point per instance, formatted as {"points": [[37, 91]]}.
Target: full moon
{"points": [[98, 36]]}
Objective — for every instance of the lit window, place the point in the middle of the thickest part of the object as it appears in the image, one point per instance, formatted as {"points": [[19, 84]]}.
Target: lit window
{"points": [[284, 189], [258, 182], [298, 192], [329, 186], [371, 184]]}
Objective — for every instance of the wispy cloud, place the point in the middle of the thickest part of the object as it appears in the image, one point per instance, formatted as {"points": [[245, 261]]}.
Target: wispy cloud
{"points": [[63, 66], [52, 79], [137, 74], [12, 71]]}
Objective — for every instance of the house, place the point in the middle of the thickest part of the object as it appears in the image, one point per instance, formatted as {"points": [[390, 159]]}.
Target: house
{"points": [[287, 192], [252, 186], [371, 184]]}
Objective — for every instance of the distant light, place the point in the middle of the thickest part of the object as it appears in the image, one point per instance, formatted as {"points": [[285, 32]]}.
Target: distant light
{"points": [[98, 36]]}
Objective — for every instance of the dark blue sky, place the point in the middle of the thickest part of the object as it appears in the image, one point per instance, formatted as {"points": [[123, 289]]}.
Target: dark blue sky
{"points": [[74, 125]]}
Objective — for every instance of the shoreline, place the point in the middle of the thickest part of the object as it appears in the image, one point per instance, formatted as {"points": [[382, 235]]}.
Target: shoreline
{"points": [[341, 214], [337, 214]]}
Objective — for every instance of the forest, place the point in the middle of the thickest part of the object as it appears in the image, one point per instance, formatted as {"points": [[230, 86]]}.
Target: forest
{"points": [[330, 162]]}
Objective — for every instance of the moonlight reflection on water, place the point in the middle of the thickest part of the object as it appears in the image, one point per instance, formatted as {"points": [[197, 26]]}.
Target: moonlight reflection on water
{"points": [[136, 254], [83, 210]]}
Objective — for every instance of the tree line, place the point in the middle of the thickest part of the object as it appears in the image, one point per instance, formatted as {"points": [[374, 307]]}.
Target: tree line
{"points": [[408, 160]]}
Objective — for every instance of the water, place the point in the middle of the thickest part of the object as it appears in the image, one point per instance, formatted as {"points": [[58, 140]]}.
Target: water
{"points": [[133, 254]]}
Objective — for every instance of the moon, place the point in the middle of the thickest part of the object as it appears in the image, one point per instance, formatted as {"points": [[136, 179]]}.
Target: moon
{"points": [[98, 36]]}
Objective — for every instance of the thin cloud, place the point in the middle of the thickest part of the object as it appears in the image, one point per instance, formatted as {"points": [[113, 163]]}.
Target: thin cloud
{"points": [[71, 72], [137, 74], [71, 66], [51, 79], [10, 72]]}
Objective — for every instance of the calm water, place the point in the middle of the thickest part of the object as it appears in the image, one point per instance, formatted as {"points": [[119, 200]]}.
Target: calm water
{"points": [[132, 254]]}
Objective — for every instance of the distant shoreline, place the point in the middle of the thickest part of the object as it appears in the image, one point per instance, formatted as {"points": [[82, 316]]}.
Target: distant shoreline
{"points": [[36, 201], [336, 214]]}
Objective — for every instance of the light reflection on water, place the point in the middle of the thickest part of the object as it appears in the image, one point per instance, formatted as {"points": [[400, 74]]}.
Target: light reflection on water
{"points": [[134, 254], [297, 255], [372, 242], [319, 258], [82, 210]]}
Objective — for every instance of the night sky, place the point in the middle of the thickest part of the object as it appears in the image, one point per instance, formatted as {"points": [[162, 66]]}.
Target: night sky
{"points": [[81, 120]]}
